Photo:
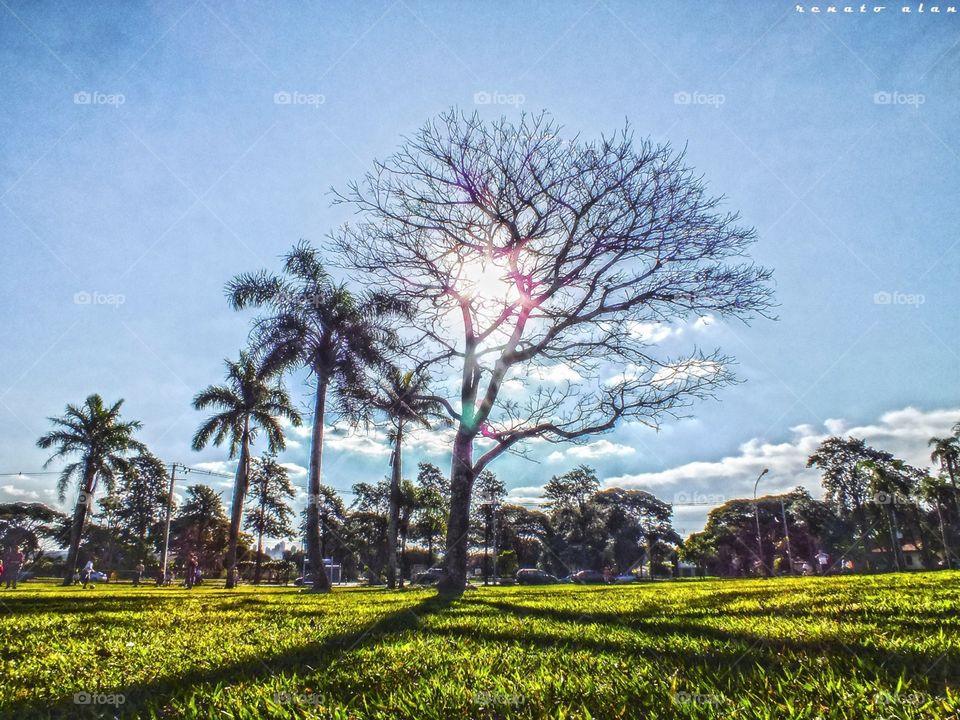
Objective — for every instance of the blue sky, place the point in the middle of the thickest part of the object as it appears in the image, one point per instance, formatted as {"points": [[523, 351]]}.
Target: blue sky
{"points": [[146, 159]]}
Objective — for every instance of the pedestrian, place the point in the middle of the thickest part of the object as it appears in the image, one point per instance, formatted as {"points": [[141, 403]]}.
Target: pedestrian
{"points": [[138, 573], [191, 571], [823, 560], [11, 565], [86, 574]]}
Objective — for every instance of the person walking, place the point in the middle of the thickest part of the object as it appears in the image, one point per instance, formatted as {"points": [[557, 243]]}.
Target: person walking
{"points": [[138, 573], [191, 577], [11, 565], [86, 574]]}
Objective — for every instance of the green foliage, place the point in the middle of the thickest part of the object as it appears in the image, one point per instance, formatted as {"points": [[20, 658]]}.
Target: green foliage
{"points": [[803, 648]]}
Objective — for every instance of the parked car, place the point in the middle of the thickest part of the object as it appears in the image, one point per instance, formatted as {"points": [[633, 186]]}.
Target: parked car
{"points": [[98, 576], [303, 579], [431, 576], [625, 578], [532, 576], [588, 577]]}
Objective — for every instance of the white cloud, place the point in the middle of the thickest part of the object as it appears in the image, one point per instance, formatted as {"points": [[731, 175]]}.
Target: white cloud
{"points": [[902, 432], [18, 492], [294, 469], [592, 451], [221, 466], [684, 370], [558, 373], [655, 332]]}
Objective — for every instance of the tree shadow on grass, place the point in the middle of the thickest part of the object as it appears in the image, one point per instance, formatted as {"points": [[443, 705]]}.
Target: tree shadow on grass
{"points": [[146, 699], [888, 666]]}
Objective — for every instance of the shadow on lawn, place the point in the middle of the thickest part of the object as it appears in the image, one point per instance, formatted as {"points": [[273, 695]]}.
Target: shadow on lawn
{"points": [[141, 698], [712, 650], [941, 668]]}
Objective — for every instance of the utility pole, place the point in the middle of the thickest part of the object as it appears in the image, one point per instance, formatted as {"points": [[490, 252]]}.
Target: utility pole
{"points": [[166, 530]]}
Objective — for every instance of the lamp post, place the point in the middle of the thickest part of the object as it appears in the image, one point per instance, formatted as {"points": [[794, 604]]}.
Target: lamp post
{"points": [[756, 516], [786, 533]]}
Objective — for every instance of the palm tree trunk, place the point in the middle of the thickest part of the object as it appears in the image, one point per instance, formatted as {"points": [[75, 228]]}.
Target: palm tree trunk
{"points": [[236, 511], [321, 583], [256, 573], [394, 517], [461, 487], [84, 498]]}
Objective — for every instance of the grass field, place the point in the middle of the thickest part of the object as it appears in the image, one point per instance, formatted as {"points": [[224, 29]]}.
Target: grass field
{"points": [[881, 646]]}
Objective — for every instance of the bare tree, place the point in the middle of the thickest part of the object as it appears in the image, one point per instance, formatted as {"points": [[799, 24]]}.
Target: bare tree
{"points": [[531, 260]]}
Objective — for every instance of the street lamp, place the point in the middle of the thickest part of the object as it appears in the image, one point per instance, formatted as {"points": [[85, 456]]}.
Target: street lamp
{"points": [[756, 516]]}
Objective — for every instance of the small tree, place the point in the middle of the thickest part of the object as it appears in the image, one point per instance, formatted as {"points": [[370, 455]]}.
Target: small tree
{"points": [[268, 513], [523, 253]]}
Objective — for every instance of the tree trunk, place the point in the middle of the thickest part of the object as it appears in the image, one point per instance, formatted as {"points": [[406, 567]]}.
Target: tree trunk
{"points": [[321, 583], [394, 516], [256, 572], [236, 510], [84, 499], [461, 487], [943, 535]]}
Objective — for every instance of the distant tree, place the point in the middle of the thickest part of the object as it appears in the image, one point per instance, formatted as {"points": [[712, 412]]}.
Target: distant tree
{"points": [[847, 482], [104, 443], [250, 401], [142, 502], [572, 489], [489, 492], [404, 397], [201, 527], [946, 451], [526, 532], [939, 493], [430, 516], [521, 249], [635, 520], [577, 522], [29, 525], [269, 512], [699, 549], [313, 322]]}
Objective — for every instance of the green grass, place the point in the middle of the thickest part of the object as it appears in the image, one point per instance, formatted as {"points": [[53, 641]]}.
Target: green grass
{"points": [[882, 646]]}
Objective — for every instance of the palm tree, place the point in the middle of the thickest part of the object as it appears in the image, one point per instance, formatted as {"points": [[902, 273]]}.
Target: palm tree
{"points": [[316, 323], [946, 451], [103, 442], [406, 400], [270, 515], [248, 402]]}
